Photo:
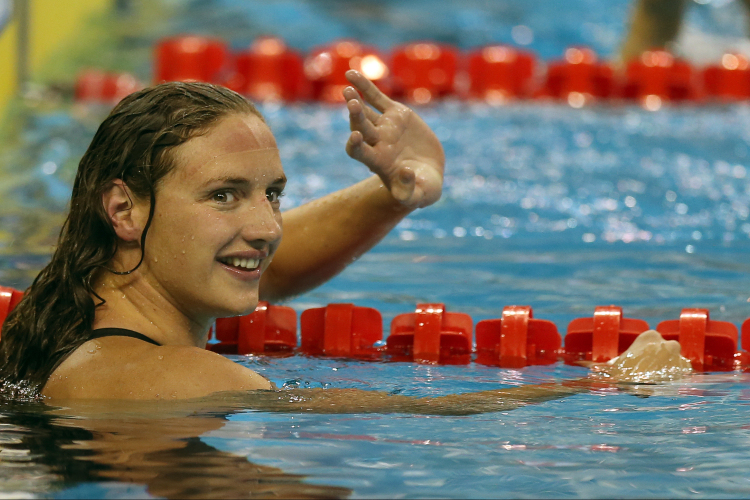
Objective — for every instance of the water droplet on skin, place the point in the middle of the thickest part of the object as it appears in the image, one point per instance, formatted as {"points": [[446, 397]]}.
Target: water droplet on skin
{"points": [[98, 347], [92, 351], [192, 237], [156, 260], [183, 252], [160, 357]]}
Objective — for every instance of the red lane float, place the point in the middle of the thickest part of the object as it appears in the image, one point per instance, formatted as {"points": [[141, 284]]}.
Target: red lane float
{"points": [[517, 339], [326, 66], [498, 73], [191, 58], [9, 299], [730, 80], [267, 330], [94, 86], [708, 344], [269, 71], [431, 335], [657, 76], [341, 330], [579, 79], [424, 71], [604, 336]]}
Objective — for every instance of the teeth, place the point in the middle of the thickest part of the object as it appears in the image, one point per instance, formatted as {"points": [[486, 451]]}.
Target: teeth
{"points": [[243, 263]]}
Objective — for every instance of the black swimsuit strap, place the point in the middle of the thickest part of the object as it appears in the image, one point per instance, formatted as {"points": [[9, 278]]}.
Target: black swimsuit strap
{"points": [[120, 332]]}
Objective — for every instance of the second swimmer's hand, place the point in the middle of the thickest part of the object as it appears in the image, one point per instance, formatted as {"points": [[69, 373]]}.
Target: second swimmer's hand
{"points": [[395, 143]]}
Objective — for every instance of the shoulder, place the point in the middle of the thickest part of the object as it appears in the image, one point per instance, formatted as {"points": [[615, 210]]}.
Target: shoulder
{"points": [[125, 368]]}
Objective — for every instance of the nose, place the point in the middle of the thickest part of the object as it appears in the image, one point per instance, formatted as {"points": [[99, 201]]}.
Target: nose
{"points": [[262, 224]]}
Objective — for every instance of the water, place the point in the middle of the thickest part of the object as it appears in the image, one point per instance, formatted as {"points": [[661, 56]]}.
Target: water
{"points": [[544, 205]]}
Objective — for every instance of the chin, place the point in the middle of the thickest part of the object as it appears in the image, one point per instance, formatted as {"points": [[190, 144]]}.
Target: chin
{"points": [[239, 309]]}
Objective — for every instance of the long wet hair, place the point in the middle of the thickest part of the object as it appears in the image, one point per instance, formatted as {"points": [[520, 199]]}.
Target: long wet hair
{"points": [[134, 144]]}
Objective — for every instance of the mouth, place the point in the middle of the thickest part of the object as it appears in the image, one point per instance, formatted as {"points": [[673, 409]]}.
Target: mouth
{"points": [[240, 264]]}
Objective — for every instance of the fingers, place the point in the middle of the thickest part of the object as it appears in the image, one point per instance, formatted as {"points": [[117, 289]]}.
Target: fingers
{"points": [[358, 121], [358, 149], [369, 91], [351, 94]]}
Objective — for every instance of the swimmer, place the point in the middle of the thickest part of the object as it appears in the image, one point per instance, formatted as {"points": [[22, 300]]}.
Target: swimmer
{"points": [[655, 24], [175, 220]]}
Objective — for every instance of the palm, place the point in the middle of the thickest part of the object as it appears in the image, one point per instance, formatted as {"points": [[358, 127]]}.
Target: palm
{"points": [[395, 144]]}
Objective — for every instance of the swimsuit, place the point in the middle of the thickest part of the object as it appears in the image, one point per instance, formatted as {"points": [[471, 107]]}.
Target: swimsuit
{"points": [[108, 332], [120, 332]]}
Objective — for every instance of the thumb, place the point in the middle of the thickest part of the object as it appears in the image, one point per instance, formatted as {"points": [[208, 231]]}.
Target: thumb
{"points": [[402, 187]]}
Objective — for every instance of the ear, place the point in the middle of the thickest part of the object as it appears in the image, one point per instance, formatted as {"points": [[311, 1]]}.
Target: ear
{"points": [[120, 207]]}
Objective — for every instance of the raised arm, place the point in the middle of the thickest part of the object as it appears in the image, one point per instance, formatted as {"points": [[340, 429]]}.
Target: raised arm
{"points": [[322, 237]]}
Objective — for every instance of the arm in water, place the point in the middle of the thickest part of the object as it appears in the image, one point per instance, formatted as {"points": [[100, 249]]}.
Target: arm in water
{"points": [[650, 359]]}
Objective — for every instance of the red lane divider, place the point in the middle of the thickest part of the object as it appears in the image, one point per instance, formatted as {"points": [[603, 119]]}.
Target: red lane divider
{"points": [[499, 73], [268, 330], [326, 66], [269, 71], [9, 299], [658, 76], [729, 80], [341, 330], [103, 87], [191, 58], [579, 79], [424, 71], [517, 340], [431, 335], [604, 336], [705, 342]]}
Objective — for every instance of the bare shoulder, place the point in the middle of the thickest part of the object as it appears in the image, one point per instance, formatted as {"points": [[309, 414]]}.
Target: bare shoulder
{"points": [[125, 368]]}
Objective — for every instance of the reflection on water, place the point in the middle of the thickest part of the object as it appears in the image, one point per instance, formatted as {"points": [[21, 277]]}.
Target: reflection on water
{"points": [[156, 450]]}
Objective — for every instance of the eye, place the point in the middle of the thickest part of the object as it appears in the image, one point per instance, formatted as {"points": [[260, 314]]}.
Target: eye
{"points": [[223, 197], [274, 195]]}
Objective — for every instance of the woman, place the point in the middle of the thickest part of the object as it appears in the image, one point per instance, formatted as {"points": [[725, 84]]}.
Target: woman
{"points": [[175, 221]]}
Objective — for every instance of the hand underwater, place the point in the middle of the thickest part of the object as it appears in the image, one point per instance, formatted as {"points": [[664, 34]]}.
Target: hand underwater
{"points": [[394, 143], [649, 359]]}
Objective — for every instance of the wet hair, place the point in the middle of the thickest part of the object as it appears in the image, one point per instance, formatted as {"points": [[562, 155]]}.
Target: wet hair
{"points": [[134, 144]]}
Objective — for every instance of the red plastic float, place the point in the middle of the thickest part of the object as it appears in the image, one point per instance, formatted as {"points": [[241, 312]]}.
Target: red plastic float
{"points": [[658, 76], [341, 330], [269, 71], [431, 335], [191, 58], [424, 71], [602, 337], [9, 299], [325, 68], [102, 87], [579, 78], [517, 340], [268, 330], [729, 80], [705, 342], [498, 73]]}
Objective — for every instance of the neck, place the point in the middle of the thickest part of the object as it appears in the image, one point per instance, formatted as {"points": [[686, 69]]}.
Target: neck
{"points": [[131, 302]]}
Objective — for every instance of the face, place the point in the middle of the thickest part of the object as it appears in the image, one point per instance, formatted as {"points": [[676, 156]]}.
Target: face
{"points": [[217, 221]]}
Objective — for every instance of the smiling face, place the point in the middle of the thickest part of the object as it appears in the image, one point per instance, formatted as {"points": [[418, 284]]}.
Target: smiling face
{"points": [[217, 221]]}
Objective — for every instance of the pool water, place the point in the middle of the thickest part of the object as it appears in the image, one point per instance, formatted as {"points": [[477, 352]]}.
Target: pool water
{"points": [[561, 209]]}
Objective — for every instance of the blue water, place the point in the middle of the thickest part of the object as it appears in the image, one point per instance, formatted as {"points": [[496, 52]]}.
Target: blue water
{"points": [[544, 205]]}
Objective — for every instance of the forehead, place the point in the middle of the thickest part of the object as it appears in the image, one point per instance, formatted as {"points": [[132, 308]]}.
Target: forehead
{"points": [[232, 134]]}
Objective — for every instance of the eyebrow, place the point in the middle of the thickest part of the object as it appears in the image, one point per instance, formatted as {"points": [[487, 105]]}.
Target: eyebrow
{"points": [[239, 181]]}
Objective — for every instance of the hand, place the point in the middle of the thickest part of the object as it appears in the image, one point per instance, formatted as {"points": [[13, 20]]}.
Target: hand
{"points": [[394, 143], [649, 359]]}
